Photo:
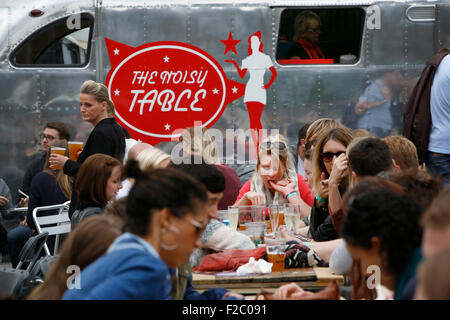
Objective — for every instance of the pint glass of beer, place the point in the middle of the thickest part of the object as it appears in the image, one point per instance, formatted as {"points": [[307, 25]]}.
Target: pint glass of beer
{"points": [[74, 148], [57, 150], [275, 253]]}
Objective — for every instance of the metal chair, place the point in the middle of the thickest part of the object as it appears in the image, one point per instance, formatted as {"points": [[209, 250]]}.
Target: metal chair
{"points": [[47, 223], [31, 250]]}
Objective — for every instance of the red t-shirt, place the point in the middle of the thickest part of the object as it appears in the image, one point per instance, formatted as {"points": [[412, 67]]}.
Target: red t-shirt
{"points": [[305, 192]]}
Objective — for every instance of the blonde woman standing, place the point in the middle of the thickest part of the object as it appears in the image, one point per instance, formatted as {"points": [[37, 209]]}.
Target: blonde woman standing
{"points": [[107, 137]]}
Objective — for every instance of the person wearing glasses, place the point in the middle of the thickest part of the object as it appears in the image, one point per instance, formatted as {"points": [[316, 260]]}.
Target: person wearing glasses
{"points": [[306, 36], [167, 211], [275, 180], [331, 176], [53, 132]]}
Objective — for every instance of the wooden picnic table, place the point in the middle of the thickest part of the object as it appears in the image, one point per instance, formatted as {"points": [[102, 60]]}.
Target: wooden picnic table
{"points": [[307, 278]]}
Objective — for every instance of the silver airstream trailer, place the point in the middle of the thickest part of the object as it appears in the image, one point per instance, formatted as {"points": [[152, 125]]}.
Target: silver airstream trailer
{"points": [[49, 47]]}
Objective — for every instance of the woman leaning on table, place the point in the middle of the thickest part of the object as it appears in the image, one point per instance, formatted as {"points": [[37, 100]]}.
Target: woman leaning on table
{"points": [[331, 175], [107, 137], [275, 180]]}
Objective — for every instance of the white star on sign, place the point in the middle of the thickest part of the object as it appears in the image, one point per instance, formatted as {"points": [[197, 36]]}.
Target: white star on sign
{"points": [[215, 91], [167, 126], [166, 59], [117, 92], [234, 89], [116, 51]]}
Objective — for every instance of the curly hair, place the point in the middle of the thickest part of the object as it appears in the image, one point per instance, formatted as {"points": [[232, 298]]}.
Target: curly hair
{"points": [[392, 218]]}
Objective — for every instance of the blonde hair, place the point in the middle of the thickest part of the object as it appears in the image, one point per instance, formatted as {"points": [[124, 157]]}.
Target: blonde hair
{"points": [[342, 135], [320, 126], [361, 133], [301, 24], [151, 158], [404, 152], [285, 163], [201, 144], [100, 93]]}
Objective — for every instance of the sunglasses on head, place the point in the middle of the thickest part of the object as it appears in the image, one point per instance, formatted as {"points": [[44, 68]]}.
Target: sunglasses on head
{"points": [[276, 145], [328, 156]]}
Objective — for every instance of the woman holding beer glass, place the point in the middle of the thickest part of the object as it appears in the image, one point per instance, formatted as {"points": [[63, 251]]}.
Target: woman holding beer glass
{"points": [[275, 181], [107, 137]]}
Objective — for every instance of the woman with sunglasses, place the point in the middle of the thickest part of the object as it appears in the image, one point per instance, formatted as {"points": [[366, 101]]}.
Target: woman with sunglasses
{"points": [[166, 214], [306, 36], [331, 176], [275, 180]]}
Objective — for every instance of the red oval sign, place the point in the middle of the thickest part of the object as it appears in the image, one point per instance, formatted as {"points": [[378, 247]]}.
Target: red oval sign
{"points": [[160, 87]]}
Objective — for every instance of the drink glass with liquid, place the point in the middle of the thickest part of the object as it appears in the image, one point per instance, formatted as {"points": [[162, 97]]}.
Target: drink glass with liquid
{"points": [[276, 213], [233, 217], [292, 218], [276, 253], [74, 148], [57, 150]]}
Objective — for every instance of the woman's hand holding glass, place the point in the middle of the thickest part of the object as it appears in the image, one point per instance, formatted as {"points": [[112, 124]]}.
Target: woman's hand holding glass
{"points": [[57, 160]]}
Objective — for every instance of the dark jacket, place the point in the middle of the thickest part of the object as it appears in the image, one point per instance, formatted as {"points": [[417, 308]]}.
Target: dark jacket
{"points": [[416, 113], [44, 191], [107, 137], [321, 227], [35, 166]]}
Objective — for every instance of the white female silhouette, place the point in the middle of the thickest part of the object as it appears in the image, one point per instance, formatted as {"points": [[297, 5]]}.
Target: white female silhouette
{"points": [[255, 91]]}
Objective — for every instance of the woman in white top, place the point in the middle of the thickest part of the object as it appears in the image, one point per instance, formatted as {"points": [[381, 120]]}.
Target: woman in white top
{"points": [[255, 92]]}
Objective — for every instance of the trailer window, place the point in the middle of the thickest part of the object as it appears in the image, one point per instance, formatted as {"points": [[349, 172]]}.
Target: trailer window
{"points": [[61, 44], [320, 36]]}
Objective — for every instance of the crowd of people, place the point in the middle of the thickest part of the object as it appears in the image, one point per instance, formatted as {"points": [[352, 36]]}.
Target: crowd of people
{"points": [[142, 220]]}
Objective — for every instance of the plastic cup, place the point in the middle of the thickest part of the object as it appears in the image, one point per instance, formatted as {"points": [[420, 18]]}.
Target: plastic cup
{"points": [[74, 148], [222, 214], [276, 254], [57, 150], [233, 216], [256, 231], [292, 218], [250, 214]]}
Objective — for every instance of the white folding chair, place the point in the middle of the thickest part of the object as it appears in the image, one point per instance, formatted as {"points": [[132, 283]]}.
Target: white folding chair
{"points": [[61, 219]]}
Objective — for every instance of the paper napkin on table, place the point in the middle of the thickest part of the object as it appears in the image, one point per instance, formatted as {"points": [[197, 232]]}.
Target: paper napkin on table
{"points": [[260, 266]]}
